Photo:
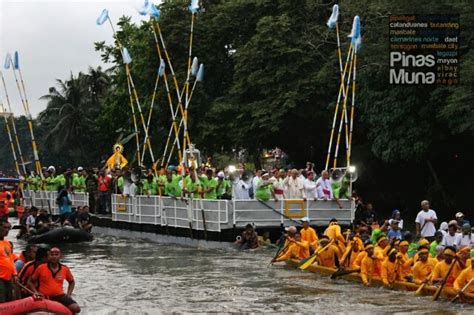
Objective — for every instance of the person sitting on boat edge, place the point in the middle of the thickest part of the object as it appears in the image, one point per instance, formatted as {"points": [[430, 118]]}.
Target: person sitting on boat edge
{"points": [[423, 267], [80, 219], [29, 268], [43, 222], [249, 238], [48, 279], [25, 256], [368, 267], [297, 249], [465, 276], [31, 220]]}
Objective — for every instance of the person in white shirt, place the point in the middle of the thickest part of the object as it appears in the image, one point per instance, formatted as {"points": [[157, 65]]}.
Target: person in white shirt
{"points": [[255, 180], [294, 188], [31, 220], [425, 221], [443, 228], [310, 186], [396, 216], [467, 237], [324, 187], [241, 188], [452, 238], [279, 186]]}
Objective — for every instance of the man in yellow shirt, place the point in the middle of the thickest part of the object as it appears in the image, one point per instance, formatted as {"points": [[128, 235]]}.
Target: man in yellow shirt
{"points": [[423, 267], [406, 263], [368, 267], [327, 257], [334, 232], [308, 234], [381, 250], [390, 266], [297, 249], [465, 276], [441, 268]]}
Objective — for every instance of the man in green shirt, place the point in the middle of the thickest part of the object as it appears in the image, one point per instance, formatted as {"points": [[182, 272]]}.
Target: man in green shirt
{"points": [[438, 238], [209, 185], [172, 188], [263, 190], [50, 181], [224, 187], [150, 186], [193, 187], [33, 182], [79, 180]]}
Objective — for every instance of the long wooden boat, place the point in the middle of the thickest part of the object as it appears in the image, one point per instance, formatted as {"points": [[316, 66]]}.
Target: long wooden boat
{"points": [[447, 293]]}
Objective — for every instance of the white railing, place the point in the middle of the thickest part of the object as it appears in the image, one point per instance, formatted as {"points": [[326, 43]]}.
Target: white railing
{"points": [[286, 212], [47, 200], [171, 212], [202, 214]]}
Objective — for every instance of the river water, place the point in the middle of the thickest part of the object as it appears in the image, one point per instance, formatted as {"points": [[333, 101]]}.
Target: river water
{"points": [[124, 276]]}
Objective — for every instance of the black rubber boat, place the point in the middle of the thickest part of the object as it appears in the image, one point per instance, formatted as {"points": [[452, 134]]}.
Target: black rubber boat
{"points": [[60, 236]]}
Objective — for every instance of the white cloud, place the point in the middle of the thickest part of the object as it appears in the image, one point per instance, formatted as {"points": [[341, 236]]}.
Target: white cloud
{"points": [[53, 38]]}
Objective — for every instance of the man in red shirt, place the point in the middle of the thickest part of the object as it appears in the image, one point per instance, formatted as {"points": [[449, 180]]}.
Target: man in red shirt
{"points": [[104, 192], [48, 279]]}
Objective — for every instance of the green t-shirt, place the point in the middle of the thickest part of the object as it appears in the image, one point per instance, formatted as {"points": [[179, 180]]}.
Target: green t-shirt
{"points": [[193, 187], [79, 183], [207, 184], [33, 182], [336, 188], [51, 184], [150, 188], [172, 189], [263, 191], [223, 187], [433, 246], [120, 183]]}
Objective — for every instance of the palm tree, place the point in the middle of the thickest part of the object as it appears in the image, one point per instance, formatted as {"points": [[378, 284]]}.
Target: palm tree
{"points": [[71, 110]]}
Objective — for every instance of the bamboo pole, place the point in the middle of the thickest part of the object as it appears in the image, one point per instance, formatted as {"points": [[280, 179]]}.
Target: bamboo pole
{"points": [[344, 108], [352, 108], [341, 92], [12, 146], [12, 120]]}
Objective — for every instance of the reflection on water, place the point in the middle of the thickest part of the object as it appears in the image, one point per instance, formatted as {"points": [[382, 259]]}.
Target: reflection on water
{"points": [[120, 276]]}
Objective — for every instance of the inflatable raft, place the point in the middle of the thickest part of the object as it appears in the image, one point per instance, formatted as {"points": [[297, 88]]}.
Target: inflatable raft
{"points": [[31, 305], [60, 236], [447, 293]]}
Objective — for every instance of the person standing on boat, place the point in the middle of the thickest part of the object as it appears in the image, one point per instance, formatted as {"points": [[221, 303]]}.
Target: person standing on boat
{"points": [[48, 279], [263, 189], [294, 188], [8, 274], [425, 221], [310, 186]]}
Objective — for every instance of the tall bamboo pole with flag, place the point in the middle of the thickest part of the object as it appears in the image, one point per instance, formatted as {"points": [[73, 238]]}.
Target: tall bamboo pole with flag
{"points": [[13, 124], [356, 42], [15, 64]]}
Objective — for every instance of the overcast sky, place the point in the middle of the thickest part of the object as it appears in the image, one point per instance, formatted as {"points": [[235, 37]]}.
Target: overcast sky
{"points": [[53, 38]]}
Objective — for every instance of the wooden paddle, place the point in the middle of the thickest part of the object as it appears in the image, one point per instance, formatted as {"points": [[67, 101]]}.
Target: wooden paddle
{"points": [[342, 272], [280, 249], [312, 258], [342, 262], [462, 290], [420, 288], [443, 283]]}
